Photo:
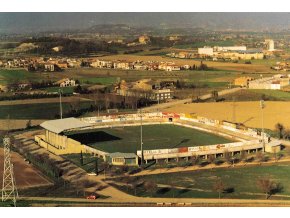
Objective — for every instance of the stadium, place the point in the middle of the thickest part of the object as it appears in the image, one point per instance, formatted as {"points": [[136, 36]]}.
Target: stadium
{"points": [[127, 139]]}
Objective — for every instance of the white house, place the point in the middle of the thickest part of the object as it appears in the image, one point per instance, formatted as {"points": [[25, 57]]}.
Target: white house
{"points": [[66, 82]]}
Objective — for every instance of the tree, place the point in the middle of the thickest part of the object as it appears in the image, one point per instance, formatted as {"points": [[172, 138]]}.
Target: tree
{"points": [[259, 156], [150, 186], [28, 124], [81, 159], [97, 167], [219, 186], [243, 155], [228, 157], [268, 186], [280, 128], [105, 166], [211, 158], [215, 95]]}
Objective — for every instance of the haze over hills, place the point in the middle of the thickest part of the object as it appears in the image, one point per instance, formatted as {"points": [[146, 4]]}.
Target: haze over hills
{"points": [[39, 22]]}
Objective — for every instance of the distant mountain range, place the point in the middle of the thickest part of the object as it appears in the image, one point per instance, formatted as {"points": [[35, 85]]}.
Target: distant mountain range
{"points": [[40, 22]]}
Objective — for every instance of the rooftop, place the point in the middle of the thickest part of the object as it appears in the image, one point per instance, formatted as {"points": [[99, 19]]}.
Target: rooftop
{"points": [[61, 125]]}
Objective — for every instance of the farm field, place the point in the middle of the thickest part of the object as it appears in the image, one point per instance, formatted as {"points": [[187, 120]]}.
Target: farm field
{"points": [[247, 112], [26, 176], [161, 136], [43, 100], [256, 95], [99, 80], [18, 75], [239, 182], [37, 110]]}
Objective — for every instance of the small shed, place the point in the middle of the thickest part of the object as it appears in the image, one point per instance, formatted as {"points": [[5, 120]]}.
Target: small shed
{"points": [[120, 159]]}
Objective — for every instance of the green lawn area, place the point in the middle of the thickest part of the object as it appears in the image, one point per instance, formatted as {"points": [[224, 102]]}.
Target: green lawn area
{"points": [[279, 95], [10, 76], [161, 136], [35, 111], [99, 80], [240, 182]]}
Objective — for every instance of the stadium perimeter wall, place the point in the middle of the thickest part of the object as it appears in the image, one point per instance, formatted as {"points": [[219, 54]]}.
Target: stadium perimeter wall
{"points": [[61, 144]]}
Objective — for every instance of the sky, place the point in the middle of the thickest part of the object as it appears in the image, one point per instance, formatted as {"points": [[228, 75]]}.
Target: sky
{"points": [[26, 22]]}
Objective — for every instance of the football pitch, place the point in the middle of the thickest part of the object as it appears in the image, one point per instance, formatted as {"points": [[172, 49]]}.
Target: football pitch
{"points": [[160, 136]]}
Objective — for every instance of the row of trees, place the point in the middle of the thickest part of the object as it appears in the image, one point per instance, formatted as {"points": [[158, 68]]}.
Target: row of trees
{"points": [[266, 185], [283, 133]]}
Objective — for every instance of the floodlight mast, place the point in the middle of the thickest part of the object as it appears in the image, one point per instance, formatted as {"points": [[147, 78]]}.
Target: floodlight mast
{"points": [[262, 105], [60, 103], [141, 136]]}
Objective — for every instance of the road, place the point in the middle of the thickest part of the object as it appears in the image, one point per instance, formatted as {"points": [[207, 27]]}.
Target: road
{"points": [[159, 107]]}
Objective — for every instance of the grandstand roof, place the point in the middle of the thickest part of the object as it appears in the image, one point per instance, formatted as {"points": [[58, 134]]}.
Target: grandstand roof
{"points": [[61, 125]]}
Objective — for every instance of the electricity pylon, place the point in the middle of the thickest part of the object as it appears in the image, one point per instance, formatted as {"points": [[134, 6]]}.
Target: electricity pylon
{"points": [[9, 190]]}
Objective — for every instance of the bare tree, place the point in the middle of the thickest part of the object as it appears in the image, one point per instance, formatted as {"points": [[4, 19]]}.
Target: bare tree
{"points": [[211, 158], [260, 156], [228, 156], [150, 186], [279, 128], [243, 155], [268, 186], [219, 186]]}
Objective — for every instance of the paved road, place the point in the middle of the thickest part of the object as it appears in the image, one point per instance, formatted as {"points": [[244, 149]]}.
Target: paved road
{"points": [[188, 100], [165, 202]]}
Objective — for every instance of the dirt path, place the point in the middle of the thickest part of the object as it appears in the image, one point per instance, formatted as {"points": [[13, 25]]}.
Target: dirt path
{"points": [[26, 175]]}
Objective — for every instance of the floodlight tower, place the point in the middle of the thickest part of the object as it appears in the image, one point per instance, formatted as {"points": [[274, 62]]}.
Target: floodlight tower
{"points": [[9, 190], [141, 135], [234, 109], [60, 103], [262, 105]]}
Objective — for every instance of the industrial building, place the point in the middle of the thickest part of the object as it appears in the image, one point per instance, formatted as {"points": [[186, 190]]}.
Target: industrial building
{"points": [[270, 44], [243, 81], [269, 83], [206, 51], [119, 159], [229, 48]]}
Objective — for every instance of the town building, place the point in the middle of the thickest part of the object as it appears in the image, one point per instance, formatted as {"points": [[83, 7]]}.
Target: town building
{"points": [[144, 39], [206, 51], [269, 83], [229, 48], [270, 44], [242, 81], [65, 82], [121, 159]]}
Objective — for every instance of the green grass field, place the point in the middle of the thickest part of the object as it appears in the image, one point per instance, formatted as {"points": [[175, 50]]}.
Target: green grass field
{"points": [[35, 111], [154, 137], [99, 80], [256, 95], [11, 76], [239, 182], [279, 95]]}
